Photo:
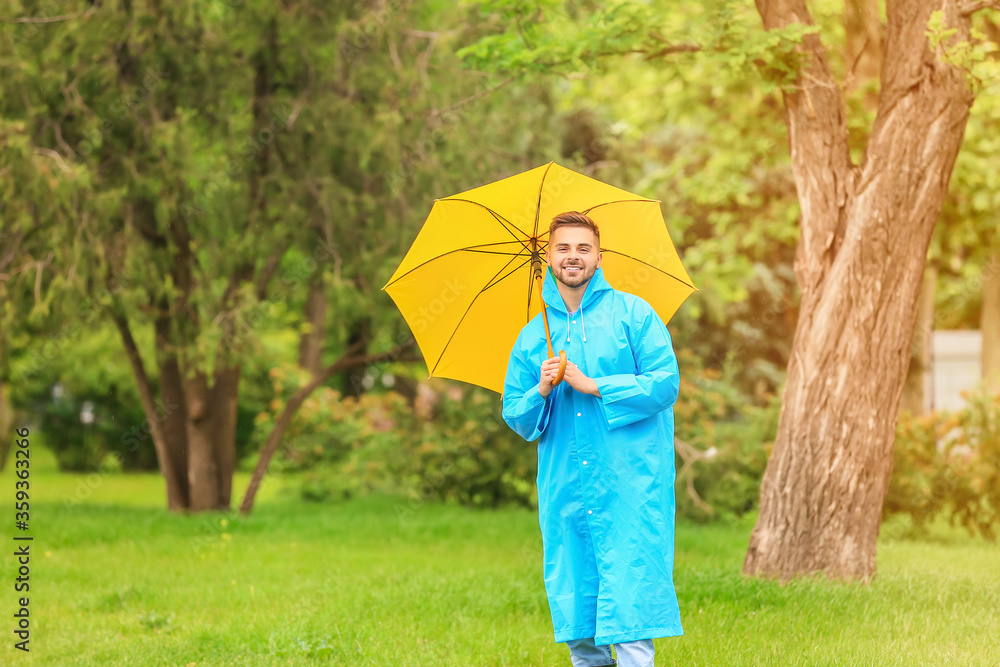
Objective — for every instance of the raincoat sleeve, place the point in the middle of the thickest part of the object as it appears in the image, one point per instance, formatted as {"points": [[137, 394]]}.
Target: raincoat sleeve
{"points": [[628, 398], [524, 409]]}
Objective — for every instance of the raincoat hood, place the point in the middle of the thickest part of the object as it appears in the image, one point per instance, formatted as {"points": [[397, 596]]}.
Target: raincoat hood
{"points": [[594, 290]]}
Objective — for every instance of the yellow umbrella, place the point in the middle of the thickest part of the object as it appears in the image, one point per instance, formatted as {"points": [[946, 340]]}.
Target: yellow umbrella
{"points": [[472, 278]]}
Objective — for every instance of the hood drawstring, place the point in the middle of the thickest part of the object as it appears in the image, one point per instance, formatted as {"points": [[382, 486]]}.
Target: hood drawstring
{"points": [[582, 322]]}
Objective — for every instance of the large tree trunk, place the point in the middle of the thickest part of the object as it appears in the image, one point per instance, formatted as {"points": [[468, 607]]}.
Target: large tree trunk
{"points": [[918, 385], [173, 475], [225, 394], [203, 468], [211, 432], [990, 323], [860, 258], [174, 418]]}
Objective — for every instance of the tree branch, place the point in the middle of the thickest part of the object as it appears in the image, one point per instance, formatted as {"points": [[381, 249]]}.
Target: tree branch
{"points": [[347, 360], [50, 19], [48, 152], [973, 7]]}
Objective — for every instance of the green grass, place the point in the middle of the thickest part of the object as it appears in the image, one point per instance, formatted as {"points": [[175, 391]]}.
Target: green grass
{"points": [[117, 580]]}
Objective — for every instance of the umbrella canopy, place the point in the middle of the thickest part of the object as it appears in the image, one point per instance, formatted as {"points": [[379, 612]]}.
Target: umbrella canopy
{"points": [[466, 287]]}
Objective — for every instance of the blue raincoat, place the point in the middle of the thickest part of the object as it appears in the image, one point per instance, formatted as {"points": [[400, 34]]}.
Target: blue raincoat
{"points": [[605, 464]]}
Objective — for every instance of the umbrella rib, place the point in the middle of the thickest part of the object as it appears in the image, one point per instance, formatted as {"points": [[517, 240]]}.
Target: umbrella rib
{"points": [[466, 313], [531, 287], [504, 222], [538, 204], [492, 252], [608, 203], [655, 268], [470, 248], [496, 282], [623, 201]]}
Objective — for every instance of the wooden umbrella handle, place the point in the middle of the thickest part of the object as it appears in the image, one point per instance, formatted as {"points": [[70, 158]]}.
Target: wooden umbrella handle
{"points": [[537, 270], [562, 368]]}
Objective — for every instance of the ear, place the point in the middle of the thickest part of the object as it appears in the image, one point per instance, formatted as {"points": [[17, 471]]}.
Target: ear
{"points": [[600, 256]]}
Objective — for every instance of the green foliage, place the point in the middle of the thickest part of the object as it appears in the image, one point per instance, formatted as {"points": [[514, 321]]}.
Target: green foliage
{"points": [[948, 463], [466, 453], [974, 57], [723, 443], [452, 445], [458, 450], [712, 148]]}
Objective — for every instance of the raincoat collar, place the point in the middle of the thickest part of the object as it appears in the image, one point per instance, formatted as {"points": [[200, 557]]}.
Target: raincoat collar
{"points": [[553, 299]]}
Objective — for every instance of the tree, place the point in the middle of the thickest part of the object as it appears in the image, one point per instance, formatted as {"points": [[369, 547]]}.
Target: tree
{"points": [[214, 169], [865, 229]]}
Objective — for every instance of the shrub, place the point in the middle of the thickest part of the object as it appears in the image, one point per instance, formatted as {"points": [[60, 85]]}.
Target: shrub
{"points": [[452, 444], [456, 447], [948, 463], [722, 442]]}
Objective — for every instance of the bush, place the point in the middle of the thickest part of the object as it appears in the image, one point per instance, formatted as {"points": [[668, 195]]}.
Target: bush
{"points": [[343, 446], [465, 452], [722, 442], [948, 463], [452, 444], [455, 447]]}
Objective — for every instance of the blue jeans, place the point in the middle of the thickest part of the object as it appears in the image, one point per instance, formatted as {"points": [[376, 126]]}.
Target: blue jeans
{"points": [[630, 654]]}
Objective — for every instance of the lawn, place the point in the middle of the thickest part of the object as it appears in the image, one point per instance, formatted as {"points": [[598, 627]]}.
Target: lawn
{"points": [[116, 580]]}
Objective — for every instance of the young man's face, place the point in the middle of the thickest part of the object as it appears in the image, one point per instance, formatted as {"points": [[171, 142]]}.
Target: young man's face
{"points": [[574, 255]]}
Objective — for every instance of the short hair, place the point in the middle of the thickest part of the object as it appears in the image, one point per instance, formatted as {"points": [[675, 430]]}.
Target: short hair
{"points": [[574, 219]]}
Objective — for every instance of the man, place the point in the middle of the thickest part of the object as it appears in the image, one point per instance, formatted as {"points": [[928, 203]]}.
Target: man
{"points": [[605, 457]]}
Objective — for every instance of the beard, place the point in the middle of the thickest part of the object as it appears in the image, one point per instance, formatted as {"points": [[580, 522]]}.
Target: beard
{"points": [[575, 278]]}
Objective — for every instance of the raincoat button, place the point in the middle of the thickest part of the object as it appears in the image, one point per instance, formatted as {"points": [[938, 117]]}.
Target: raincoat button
{"points": [[584, 463], [579, 414], [590, 511], [574, 321]]}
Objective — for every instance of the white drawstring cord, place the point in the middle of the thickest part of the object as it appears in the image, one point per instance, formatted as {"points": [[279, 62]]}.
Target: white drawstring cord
{"points": [[582, 322]]}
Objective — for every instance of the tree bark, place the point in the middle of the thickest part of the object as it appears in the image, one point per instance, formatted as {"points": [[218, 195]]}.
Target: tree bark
{"points": [[918, 377], [203, 430], [990, 323], [177, 491], [864, 237], [173, 422], [311, 342], [225, 394]]}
